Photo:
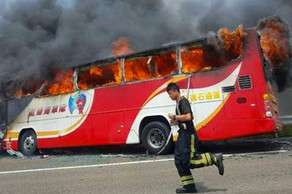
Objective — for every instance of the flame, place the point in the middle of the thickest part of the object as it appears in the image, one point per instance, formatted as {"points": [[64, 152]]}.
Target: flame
{"points": [[232, 41], [62, 82], [97, 75], [142, 68], [192, 59], [150, 67], [28, 87], [165, 64], [121, 47], [274, 40], [137, 69], [215, 53], [95, 71], [19, 93]]}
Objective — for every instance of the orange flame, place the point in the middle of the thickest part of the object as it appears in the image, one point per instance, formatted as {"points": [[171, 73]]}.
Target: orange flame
{"points": [[62, 83], [192, 59], [141, 68], [165, 64], [121, 47], [99, 75], [19, 93], [150, 67], [214, 54], [232, 41], [274, 40]]}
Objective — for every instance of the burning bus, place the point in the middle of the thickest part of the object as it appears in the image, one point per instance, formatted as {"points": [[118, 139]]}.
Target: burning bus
{"points": [[122, 100]]}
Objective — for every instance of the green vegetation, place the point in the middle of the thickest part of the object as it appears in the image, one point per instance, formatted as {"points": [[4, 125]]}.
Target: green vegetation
{"points": [[286, 131]]}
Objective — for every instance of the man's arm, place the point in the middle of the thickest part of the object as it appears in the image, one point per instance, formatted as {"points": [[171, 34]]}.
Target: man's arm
{"points": [[186, 112], [183, 118]]}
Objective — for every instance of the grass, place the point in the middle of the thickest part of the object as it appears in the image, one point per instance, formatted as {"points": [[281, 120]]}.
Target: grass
{"points": [[286, 131]]}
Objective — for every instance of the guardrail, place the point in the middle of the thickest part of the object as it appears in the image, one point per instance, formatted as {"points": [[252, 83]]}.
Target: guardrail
{"points": [[286, 119]]}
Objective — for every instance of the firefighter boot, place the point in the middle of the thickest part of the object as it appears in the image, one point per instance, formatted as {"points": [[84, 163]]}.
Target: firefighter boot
{"points": [[189, 189], [219, 163]]}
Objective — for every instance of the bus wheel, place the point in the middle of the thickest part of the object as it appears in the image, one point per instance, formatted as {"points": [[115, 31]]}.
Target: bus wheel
{"points": [[154, 137], [28, 143]]}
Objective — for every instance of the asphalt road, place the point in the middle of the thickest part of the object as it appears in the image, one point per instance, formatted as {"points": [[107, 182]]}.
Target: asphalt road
{"points": [[262, 171]]}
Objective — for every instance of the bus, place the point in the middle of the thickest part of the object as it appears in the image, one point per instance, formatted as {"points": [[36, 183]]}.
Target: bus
{"points": [[122, 100]]}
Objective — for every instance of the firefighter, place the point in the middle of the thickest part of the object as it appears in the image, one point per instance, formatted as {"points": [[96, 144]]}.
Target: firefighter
{"points": [[186, 152]]}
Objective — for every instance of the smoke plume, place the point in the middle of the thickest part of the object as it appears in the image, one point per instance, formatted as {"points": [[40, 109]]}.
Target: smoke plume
{"points": [[39, 35]]}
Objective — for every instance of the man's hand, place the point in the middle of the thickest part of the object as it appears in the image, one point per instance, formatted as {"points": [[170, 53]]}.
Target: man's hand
{"points": [[172, 118]]}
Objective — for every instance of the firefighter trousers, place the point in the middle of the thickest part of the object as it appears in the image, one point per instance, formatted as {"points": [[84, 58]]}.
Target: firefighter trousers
{"points": [[187, 157]]}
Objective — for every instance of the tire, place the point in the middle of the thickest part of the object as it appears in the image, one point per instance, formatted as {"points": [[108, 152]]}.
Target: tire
{"points": [[28, 143], [154, 137]]}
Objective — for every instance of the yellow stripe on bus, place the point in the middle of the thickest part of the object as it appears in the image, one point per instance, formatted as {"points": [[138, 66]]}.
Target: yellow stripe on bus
{"points": [[47, 133]]}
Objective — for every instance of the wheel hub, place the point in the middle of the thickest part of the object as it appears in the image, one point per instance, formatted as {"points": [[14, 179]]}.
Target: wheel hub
{"points": [[156, 138], [29, 143]]}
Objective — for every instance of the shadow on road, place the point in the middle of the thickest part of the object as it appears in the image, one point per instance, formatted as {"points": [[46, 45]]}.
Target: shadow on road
{"points": [[203, 189]]}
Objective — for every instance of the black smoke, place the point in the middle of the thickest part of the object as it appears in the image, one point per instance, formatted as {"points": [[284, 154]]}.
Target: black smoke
{"points": [[39, 35]]}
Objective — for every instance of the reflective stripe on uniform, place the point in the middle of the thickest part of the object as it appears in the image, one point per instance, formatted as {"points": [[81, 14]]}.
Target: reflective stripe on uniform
{"points": [[189, 182], [209, 158], [206, 158], [184, 178], [203, 160]]}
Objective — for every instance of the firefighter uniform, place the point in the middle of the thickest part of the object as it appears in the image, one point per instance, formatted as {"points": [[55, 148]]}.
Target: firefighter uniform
{"points": [[187, 155]]}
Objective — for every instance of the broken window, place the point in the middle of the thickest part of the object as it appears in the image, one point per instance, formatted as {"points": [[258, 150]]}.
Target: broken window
{"points": [[203, 58], [148, 67], [165, 64], [99, 75], [193, 60], [61, 83]]}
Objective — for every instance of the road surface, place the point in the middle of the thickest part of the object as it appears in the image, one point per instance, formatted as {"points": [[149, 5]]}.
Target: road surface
{"points": [[268, 171]]}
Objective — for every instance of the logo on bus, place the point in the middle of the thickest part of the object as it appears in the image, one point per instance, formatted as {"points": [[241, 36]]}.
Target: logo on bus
{"points": [[205, 96], [77, 103]]}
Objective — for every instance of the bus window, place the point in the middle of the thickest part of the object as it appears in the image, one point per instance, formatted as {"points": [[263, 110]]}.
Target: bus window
{"points": [[137, 69], [193, 60], [148, 67], [61, 83], [165, 64], [99, 75]]}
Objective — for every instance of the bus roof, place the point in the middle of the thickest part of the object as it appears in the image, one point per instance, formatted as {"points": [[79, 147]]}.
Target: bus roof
{"points": [[199, 42], [166, 47]]}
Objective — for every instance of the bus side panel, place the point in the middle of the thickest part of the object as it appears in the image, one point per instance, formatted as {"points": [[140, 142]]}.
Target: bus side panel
{"points": [[209, 101], [112, 114], [243, 113]]}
